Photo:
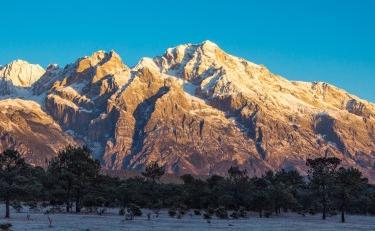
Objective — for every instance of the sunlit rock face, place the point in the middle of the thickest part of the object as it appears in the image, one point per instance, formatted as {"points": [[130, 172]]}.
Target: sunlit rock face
{"points": [[17, 76], [27, 128], [197, 109]]}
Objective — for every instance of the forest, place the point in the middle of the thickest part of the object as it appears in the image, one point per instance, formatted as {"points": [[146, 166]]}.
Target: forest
{"points": [[73, 182]]}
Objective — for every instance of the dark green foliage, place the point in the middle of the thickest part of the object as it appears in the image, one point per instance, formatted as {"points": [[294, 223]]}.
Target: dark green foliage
{"points": [[121, 212], [93, 201], [135, 210], [207, 216], [267, 214], [5, 226], [17, 180], [210, 211], [182, 210], [32, 204], [172, 212], [153, 171], [348, 185], [235, 215], [322, 175], [240, 213], [74, 178], [260, 199], [72, 174], [221, 213], [16, 205]]}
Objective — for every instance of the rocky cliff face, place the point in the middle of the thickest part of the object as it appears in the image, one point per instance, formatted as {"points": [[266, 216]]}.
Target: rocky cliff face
{"points": [[27, 128], [200, 110]]}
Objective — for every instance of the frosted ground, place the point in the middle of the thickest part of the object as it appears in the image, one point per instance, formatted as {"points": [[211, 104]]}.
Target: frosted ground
{"points": [[112, 221]]}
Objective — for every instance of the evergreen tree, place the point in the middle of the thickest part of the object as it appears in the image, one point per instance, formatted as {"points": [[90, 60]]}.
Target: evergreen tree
{"points": [[285, 187], [14, 177], [348, 185], [153, 171], [238, 182], [321, 175], [73, 172], [260, 200]]}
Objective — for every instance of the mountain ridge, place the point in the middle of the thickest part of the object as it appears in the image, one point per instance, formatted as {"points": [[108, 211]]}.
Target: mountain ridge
{"points": [[197, 109]]}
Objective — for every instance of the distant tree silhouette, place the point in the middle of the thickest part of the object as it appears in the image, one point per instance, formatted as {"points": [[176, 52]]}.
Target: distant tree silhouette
{"points": [[153, 171]]}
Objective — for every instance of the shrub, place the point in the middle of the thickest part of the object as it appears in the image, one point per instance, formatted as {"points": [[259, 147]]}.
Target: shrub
{"points": [[182, 211], [91, 201], [135, 210], [5, 226], [32, 204], [172, 212], [210, 211], [242, 212], [197, 212], [206, 216], [332, 213], [235, 215], [55, 209], [157, 212], [267, 214], [45, 204], [101, 211], [221, 213], [121, 212], [312, 211], [17, 206]]}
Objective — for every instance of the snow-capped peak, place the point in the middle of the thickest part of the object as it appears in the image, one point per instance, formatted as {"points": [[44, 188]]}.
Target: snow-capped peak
{"points": [[207, 44], [17, 75], [21, 73]]}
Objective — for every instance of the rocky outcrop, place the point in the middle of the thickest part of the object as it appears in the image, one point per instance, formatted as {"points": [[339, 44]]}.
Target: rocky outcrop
{"points": [[27, 128], [82, 90], [197, 109]]}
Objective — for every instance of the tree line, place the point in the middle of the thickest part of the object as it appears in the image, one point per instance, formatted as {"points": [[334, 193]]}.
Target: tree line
{"points": [[73, 180]]}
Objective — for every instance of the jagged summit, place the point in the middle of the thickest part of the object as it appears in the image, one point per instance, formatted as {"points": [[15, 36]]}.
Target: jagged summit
{"points": [[195, 109], [21, 73], [17, 75]]}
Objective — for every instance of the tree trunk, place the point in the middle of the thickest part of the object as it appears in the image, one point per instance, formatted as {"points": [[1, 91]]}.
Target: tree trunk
{"points": [[343, 214], [78, 205], [324, 208], [7, 211], [260, 213], [67, 207]]}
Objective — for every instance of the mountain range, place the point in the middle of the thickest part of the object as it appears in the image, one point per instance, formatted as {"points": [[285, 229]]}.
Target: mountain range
{"points": [[194, 109]]}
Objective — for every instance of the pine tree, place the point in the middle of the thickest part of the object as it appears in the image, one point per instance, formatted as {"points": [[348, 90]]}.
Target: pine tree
{"points": [[73, 171], [321, 175], [14, 177], [153, 171], [348, 185]]}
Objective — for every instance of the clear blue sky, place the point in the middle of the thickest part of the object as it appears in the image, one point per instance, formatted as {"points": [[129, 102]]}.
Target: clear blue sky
{"points": [[327, 40]]}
